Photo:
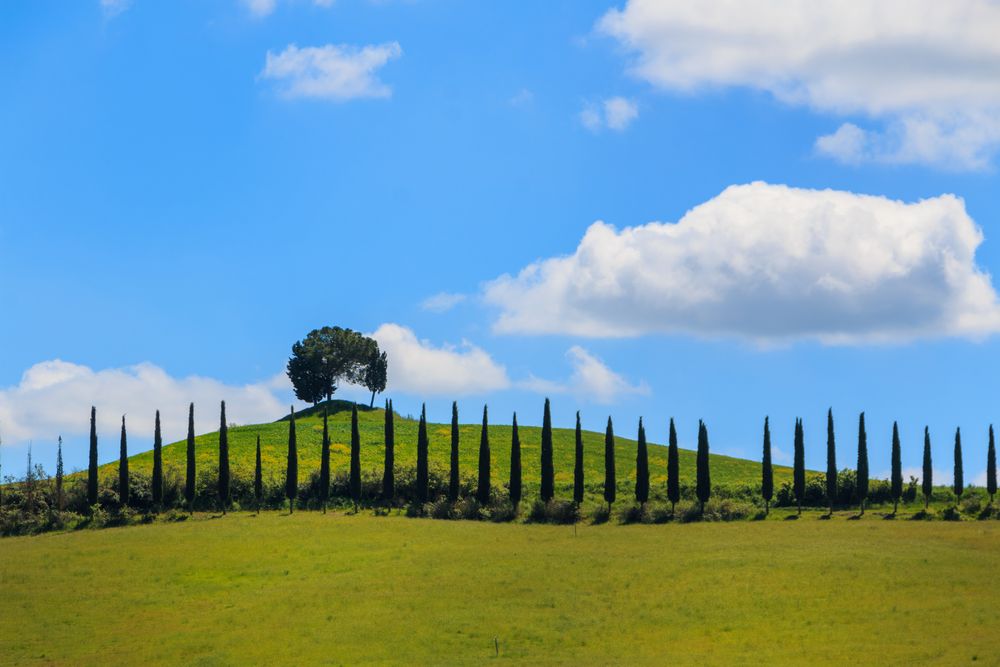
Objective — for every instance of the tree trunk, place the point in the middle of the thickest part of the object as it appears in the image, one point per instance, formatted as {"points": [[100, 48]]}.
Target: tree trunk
{"points": [[767, 508], [895, 506], [372, 404]]}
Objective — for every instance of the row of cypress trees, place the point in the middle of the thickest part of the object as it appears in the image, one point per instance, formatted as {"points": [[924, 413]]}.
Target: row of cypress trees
{"points": [[514, 486], [862, 479]]}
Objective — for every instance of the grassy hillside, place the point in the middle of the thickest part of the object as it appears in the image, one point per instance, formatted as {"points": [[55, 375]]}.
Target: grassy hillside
{"points": [[726, 470], [335, 589]]}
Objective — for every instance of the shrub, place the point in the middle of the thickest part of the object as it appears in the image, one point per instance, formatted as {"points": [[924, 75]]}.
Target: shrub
{"points": [[468, 509], [630, 514], [557, 511], [502, 511], [658, 514], [951, 514], [601, 515], [439, 509], [972, 505]]}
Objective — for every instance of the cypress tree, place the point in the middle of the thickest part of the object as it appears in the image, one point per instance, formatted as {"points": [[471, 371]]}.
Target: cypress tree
{"points": [[831, 461], [123, 468], [704, 481], [92, 468], [157, 463], [422, 457], [959, 479], [991, 468], [799, 471], [223, 459], [673, 469], [483, 491], [515, 466], [548, 473], [60, 497], [324, 462], [610, 481], [862, 482], [355, 459], [189, 480], [453, 481], [258, 480], [641, 467], [927, 482], [578, 464], [389, 469], [896, 480], [767, 471], [292, 469]]}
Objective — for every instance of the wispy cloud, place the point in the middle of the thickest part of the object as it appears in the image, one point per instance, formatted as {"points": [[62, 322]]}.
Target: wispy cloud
{"points": [[591, 380], [442, 302], [334, 72], [613, 113]]}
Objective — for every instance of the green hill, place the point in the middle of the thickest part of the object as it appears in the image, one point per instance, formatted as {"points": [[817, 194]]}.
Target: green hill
{"points": [[726, 471]]}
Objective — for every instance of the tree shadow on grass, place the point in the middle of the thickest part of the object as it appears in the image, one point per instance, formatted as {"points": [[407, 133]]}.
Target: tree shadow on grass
{"points": [[855, 517], [792, 517]]}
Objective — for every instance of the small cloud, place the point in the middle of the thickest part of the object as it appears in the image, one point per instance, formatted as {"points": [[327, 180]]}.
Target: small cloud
{"points": [[418, 367], [336, 72], [442, 302], [113, 8], [591, 379], [523, 98], [260, 8], [614, 113]]}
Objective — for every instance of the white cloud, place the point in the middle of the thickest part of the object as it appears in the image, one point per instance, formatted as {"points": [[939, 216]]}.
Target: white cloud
{"points": [[523, 98], [928, 69], [442, 302], [591, 379], [769, 263], [262, 8], [614, 113], [418, 367], [113, 8], [54, 398], [336, 72]]}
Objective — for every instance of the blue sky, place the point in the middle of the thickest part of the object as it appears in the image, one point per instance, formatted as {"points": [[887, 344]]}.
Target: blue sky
{"points": [[187, 188]]}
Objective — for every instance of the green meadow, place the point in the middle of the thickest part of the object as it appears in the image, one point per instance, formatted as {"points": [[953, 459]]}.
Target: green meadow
{"points": [[310, 588]]}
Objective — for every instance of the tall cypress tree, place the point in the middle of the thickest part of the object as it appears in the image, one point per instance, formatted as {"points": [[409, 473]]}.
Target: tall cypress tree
{"points": [[422, 481], [959, 478], [766, 470], [927, 481], [123, 469], [189, 479], [673, 469], [515, 465], [610, 479], [223, 459], [292, 468], [92, 468], [453, 481], [704, 479], [799, 470], [991, 468], [324, 462], [641, 467], [389, 469], [578, 463], [157, 463], [831, 461], [483, 490], [862, 481], [60, 497], [355, 458], [548, 473], [896, 480], [258, 480]]}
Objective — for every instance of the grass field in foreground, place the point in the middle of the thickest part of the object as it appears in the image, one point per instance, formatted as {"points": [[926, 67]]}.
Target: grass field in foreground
{"points": [[334, 589]]}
